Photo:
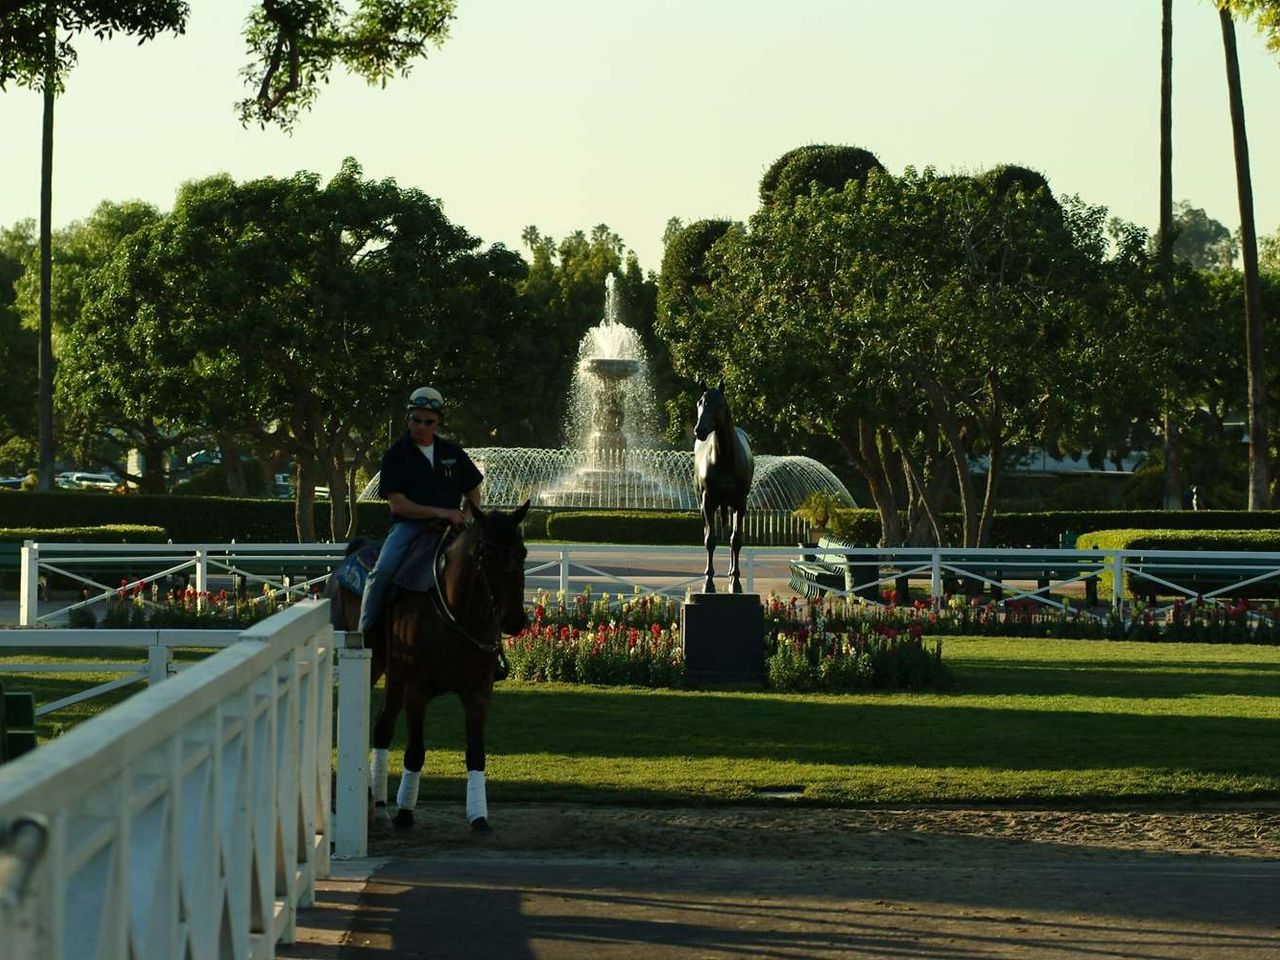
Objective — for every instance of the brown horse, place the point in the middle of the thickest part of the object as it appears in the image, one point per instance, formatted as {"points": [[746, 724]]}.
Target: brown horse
{"points": [[444, 641], [722, 471]]}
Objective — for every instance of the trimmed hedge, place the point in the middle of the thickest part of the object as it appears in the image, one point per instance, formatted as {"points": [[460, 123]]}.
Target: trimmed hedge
{"points": [[1265, 541], [187, 519], [1261, 541], [112, 533], [626, 526], [1044, 529]]}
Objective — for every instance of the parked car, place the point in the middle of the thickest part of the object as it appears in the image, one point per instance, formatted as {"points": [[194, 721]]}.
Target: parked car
{"points": [[82, 480], [11, 483]]}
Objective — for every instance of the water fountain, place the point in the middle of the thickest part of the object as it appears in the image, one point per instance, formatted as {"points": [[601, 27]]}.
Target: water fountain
{"points": [[611, 459]]}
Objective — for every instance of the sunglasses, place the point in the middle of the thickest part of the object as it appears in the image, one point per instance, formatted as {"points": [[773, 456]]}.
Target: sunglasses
{"points": [[431, 403], [425, 421]]}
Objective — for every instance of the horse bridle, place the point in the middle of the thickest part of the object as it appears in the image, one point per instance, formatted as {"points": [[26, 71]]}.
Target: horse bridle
{"points": [[477, 556]]}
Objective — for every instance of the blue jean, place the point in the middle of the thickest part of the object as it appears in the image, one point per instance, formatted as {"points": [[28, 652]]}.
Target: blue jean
{"points": [[384, 570]]}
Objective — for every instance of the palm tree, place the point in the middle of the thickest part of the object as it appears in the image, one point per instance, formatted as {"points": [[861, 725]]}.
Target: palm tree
{"points": [[1164, 245], [1253, 328]]}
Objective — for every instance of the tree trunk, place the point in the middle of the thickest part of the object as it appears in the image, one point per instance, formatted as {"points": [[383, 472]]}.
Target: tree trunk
{"points": [[304, 501], [951, 434], [1253, 320], [1164, 248], [353, 512], [153, 449], [44, 363], [1172, 461], [859, 444], [336, 470], [232, 466]]}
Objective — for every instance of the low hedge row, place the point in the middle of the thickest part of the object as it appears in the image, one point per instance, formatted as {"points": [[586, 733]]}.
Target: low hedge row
{"points": [[1045, 529], [1260, 540], [626, 526], [112, 533], [187, 519], [1201, 581]]}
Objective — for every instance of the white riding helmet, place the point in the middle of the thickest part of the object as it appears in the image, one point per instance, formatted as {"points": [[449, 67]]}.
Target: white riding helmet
{"points": [[426, 398]]}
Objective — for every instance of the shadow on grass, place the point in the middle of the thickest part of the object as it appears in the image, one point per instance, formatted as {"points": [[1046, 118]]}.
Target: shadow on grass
{"points": [[945, 733], [1116, 678]]}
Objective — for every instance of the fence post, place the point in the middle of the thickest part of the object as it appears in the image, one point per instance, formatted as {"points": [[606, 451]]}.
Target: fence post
{"points": [[935, 577], [159, 657], [1117, 582], [351, 804], [564, 573], [29, 589], [202, 576]]}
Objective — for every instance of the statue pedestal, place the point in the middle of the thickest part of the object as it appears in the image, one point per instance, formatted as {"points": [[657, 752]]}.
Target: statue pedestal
{"points": [[723, 638]]}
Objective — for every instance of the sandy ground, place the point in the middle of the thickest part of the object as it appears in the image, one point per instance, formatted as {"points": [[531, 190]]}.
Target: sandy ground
{"points": [[789, 832], [579, 882]]}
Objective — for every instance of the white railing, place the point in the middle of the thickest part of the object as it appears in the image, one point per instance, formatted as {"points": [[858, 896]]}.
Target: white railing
{"points": [[284, 569], [191, 820], [1016, 574]]}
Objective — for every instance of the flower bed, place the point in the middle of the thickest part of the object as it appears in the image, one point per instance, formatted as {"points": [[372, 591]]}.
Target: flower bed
{"points": [[636, 640], [1186, 621], [152, 609]]}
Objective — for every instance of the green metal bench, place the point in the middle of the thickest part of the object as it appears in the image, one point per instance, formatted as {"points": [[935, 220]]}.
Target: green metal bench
{"points": [[17, 724]]}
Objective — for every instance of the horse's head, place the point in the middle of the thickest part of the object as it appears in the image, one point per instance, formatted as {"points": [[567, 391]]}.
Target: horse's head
{"points": [[712, 410], [501, 555]]}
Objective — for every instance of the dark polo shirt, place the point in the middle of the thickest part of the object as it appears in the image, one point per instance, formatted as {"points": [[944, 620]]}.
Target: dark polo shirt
{"points": [[405, 470]]}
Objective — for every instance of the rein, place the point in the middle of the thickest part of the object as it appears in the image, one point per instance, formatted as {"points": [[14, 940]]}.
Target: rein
{"points": [[496, 644]]}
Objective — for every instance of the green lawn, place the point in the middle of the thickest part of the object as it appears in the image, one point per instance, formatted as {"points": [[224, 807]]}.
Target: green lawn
{"points": [[1030, 720]]}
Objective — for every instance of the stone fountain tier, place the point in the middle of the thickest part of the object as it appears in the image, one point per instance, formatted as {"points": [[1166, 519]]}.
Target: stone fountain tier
{"points": [[612, 368]]}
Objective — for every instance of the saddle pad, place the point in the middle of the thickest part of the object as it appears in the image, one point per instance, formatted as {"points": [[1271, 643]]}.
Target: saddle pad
{"points": [[354, 569], [417, 571]]}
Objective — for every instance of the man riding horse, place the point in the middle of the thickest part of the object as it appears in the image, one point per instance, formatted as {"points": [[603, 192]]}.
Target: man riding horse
{"points": [[423, 478]]}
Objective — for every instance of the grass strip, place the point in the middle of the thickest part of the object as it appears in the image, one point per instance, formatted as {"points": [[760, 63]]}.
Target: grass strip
{"points": [[1030, 720]]}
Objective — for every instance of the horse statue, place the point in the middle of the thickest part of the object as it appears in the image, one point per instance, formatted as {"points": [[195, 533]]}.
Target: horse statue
{"points": [[722, 472], [446, 640]]}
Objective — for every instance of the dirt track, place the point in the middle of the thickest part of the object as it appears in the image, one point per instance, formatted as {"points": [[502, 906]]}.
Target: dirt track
{"points": [[788, 832], [585, 883]]}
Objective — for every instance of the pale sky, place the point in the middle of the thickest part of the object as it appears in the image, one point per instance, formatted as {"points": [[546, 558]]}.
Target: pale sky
{"points": [[568, 113]]}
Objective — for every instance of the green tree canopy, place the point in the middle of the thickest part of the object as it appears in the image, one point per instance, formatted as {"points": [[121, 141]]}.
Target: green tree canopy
{"points": [[923, 321], [292, 314]]}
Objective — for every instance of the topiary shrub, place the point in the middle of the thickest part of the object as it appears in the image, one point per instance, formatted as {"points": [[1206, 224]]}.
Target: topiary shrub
{"points": [[794, 173]]}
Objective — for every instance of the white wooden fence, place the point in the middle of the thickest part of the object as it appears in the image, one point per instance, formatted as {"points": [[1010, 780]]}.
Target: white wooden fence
{"points": [[193, 819], [671, 570]]}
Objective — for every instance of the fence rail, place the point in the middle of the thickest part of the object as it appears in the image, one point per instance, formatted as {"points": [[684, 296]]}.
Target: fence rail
{"points": [[192, 819], [1026, 574]]}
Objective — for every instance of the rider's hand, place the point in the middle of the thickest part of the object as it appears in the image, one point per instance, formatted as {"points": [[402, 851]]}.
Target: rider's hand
{"points": [[456, 518]]}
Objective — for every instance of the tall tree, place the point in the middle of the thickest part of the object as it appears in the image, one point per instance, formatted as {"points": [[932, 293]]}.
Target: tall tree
{"points": [[290, 313], [1164, 244], [33, 54], [293, 45], [1253, 321]]}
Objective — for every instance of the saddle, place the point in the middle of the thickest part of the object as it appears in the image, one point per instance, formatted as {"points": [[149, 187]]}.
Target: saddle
{"points": [[419, 571]]}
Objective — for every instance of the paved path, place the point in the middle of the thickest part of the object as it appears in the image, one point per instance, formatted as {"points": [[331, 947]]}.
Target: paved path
{"points": [[913, 894]]}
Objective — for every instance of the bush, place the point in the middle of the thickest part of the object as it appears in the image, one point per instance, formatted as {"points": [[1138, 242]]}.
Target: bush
{"points": [[1265, 541], [1046, 528], [111, 533], [187, 519]]}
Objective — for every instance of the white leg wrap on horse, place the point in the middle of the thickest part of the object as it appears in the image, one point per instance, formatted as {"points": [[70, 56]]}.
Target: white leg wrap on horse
{"points": [[407, 797], [378, 775], [477, 805]]}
